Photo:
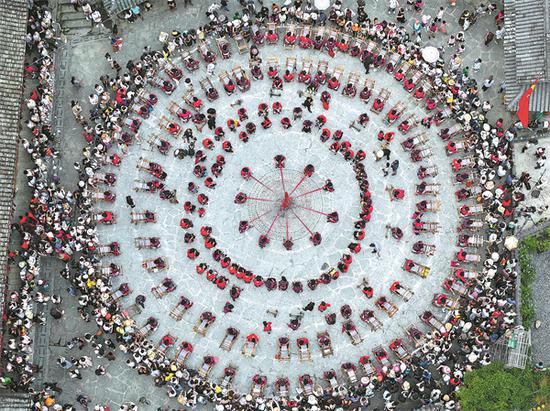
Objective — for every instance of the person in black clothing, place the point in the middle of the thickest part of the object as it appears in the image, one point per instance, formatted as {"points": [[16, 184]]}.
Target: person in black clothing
{"points": [[308, 103], [140, 300], [367, 63], [310, 306], [130, 201], [394, 167]]}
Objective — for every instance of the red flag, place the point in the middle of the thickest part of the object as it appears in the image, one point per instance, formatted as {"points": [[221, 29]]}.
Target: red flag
{"points": [[523, 106]]}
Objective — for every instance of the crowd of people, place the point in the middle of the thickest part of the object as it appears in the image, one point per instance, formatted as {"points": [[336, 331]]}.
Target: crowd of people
{"points": [[60, 223], [44, 229]]}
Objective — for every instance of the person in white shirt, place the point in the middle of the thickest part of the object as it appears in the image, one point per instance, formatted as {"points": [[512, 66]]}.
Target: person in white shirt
{"points": [[96, 17], [392, 6], [87, 9], [94, 99]]}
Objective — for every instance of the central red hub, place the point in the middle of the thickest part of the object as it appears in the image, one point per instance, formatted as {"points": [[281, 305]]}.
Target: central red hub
{"points": [[286, 201]]}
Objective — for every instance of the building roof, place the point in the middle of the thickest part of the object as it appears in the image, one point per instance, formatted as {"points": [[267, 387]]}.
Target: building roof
{"points": [[13, 27], [15, 401], [116, 6], [527, 51]]}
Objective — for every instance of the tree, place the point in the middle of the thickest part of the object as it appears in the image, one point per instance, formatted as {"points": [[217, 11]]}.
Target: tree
{"points": [[494, 388]]}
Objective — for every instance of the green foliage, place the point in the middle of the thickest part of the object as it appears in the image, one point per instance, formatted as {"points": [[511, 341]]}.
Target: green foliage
{"points": [[543, 393], [537, 243], [527, 310], [529, 244], [494, 388], [543, 245]]}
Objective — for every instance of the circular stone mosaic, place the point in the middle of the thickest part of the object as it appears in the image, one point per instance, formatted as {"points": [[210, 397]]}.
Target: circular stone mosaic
{"points": [[267, 274]]}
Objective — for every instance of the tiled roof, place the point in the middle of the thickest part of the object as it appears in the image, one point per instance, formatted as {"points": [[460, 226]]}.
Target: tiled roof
{"points": [[527, 51], [15, 401], [13, 27], [530, 40]]}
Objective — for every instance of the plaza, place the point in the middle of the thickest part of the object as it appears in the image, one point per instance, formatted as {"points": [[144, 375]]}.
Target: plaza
{"points": [[310, 227]]}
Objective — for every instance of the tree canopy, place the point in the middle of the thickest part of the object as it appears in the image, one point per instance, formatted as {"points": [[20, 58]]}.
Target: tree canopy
{"points": [[495, 388]]}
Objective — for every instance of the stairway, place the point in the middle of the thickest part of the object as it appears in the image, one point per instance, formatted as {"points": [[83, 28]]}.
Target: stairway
{"points": [[71, 20]]}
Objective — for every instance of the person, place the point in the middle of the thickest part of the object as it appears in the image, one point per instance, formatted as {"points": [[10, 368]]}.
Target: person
{"points": [[310, 306], [488, 83], [394, 167], [323, 306], [489, 37], [172, 4], [56, 312], [401, 16], [77, 83], [130, 202], [267, 326], [87, 10], [308, 102], [144, 401], [375, 249], [367, 63], [499, 33], [477, 65], [140, 300], [75, 4], [96, 18], [228, 307]]}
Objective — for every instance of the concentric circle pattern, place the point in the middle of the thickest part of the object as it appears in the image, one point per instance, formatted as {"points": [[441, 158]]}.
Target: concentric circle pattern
{"points": [[369, 222]]}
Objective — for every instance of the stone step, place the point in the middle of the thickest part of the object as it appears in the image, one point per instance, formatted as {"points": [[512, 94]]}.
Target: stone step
{"points": [[76, 24], [73, 17], [65, 5]]}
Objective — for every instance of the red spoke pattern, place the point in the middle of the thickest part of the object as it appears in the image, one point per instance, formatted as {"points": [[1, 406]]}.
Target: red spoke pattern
{"points": [[272, 223], [261, 183], [276, 198], [310, 192], [312, 210], [298, 185], [282, 179], [304, 224]]}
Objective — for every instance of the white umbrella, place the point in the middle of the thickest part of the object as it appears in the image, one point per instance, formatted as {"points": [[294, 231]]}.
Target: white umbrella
{"points": [[430, 54], [322, 4], [511, 242]]}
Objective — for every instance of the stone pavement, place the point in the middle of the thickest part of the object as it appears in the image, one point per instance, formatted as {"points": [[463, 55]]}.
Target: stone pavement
{"points": [[541, 293], [526, 161], [82, 57]]}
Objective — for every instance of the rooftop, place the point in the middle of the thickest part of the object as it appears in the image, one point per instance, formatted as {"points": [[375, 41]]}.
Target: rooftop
{"points": [[527, 51]]}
